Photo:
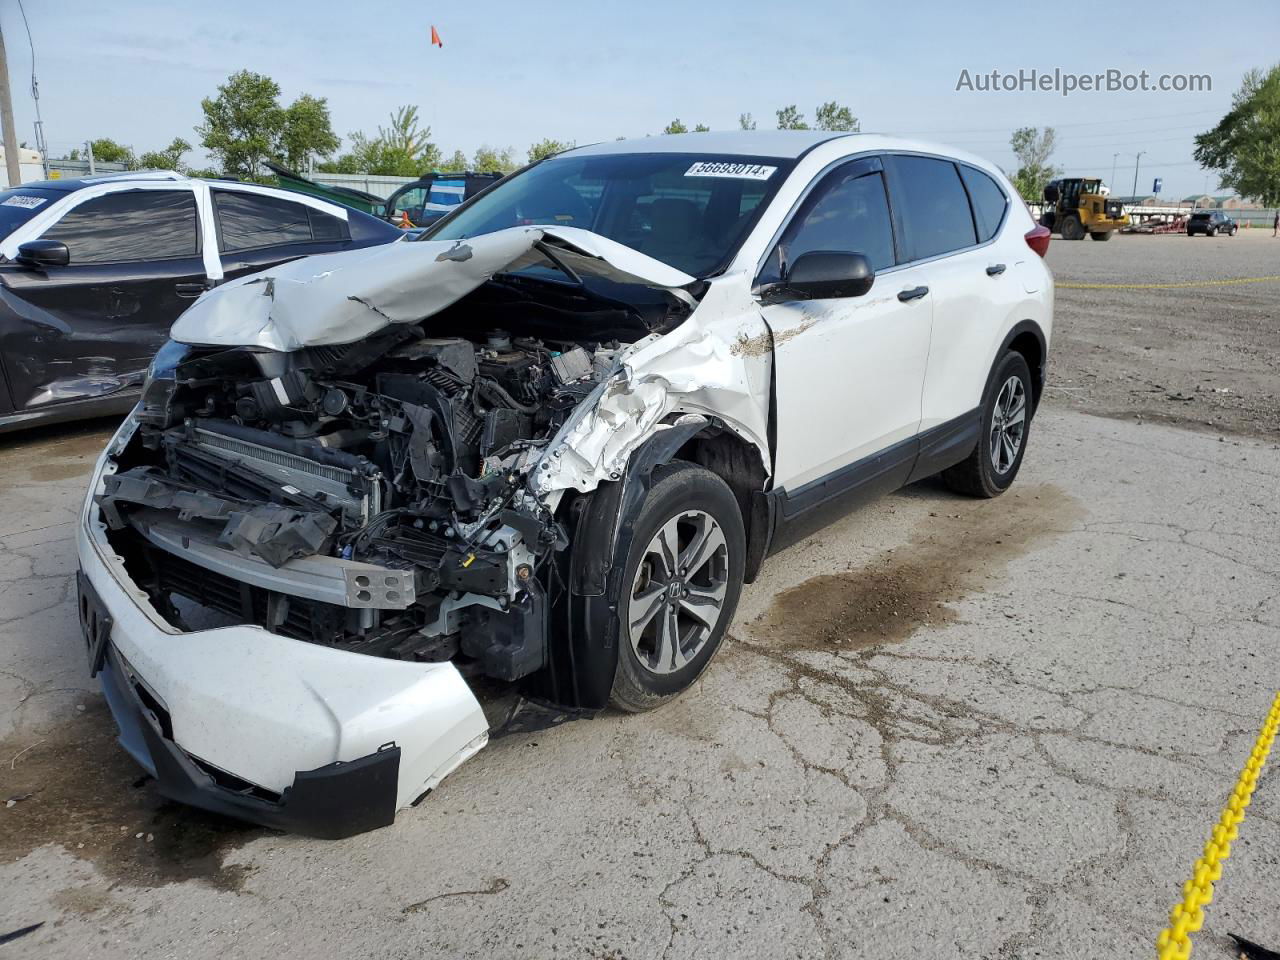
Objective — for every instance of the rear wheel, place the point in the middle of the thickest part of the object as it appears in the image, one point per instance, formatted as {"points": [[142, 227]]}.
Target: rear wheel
{"points": [[1006, 421], [680, 585], [1072, 229], [1103, 235]]}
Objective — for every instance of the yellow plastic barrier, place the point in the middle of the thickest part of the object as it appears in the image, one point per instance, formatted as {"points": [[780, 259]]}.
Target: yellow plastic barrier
{"points": [[1187, 917]]}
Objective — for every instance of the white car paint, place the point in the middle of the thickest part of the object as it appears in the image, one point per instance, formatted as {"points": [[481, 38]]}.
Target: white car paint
{"points": [[266, 707], [851, 377], [339, 298]]}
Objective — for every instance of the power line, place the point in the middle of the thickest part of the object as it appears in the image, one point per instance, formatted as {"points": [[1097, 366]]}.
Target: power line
{"points": [[1056, 126]]}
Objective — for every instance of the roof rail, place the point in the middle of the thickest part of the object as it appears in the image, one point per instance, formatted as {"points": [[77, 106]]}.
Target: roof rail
{"points": [[137, 175]]}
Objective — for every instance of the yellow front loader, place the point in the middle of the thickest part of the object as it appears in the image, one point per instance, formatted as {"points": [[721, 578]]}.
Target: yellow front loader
{"points": [[1076, 206]]}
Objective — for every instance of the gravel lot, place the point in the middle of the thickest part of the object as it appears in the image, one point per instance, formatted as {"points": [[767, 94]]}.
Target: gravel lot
{"points": [[1204, 356], [941, 728]]}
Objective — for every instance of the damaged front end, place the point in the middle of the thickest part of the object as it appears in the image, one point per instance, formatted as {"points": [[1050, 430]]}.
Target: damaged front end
{"points": [[352, 508]]}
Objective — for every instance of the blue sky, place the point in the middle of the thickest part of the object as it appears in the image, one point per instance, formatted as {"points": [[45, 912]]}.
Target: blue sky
{"points": [[511, 73]]}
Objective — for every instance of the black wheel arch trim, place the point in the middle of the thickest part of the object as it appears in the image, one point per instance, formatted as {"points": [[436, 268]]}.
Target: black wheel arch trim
{"points": [[582, 649]]}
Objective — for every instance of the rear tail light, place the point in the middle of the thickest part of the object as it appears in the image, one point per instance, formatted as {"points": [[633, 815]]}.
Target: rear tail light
{"points": [[1038, 239]]}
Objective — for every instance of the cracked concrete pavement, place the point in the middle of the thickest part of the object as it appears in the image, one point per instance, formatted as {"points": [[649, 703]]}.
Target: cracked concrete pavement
{"points": [[1026, 768]]}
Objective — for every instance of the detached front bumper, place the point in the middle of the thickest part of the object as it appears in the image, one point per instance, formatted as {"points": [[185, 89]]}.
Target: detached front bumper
{"points": [[254, 725]]}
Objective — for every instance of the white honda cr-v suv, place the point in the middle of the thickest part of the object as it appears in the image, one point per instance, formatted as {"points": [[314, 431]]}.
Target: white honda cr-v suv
{"points": [[547, 442]]}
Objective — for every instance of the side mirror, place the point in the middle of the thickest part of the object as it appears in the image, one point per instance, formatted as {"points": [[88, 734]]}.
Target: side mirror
{"points": [[827, 275], [44, 253]]}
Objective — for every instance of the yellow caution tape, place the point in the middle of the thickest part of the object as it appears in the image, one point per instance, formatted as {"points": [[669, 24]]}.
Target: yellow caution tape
{"points": [[1166, 286], [1187, 917]]}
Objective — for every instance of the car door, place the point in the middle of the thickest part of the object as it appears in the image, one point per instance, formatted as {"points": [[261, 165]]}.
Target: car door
{"points": [[259, 230], [89, 329], [847, 371], [976, 282]]}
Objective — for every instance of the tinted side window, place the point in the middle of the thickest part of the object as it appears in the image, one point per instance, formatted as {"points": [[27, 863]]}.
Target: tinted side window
{"points": [[846, 212], [251, 221], [988, 201], [129, 226], [934, 206]]}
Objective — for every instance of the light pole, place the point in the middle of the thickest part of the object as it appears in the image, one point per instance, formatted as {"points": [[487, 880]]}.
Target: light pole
{"points": [[1112, 182], [1136, 161]]}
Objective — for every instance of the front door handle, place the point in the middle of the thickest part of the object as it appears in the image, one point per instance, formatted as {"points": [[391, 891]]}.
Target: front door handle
{"points": [[995, 270], [913, 293], [189, 291]]}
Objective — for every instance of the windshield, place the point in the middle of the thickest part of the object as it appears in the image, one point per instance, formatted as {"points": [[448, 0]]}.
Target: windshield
{"points": [[691, 211], [20, 205]]}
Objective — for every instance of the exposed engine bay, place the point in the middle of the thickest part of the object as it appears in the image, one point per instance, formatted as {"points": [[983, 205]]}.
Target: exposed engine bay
{"points": [[368, 496]]}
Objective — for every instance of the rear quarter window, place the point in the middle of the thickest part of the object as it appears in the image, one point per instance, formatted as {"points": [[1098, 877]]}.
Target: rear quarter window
{"points": [[989, 202]]}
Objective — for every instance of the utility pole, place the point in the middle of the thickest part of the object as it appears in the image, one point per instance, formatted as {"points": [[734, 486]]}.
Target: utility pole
{"points": [[88, 152], [6, 121], [1136, 161], [1112, 182]]}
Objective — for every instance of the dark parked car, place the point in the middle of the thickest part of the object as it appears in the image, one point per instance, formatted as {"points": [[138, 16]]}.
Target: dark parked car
{"points": [[1211, 223], [94, 271], [428, 199]]}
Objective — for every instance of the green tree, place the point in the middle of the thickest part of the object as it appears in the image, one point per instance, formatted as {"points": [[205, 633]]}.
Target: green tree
{"points": [[789, 118], [675, 126], [1032, 149], [307, 132], [1244, 148], [702, 128], [170, 158], [833, 116], [493, 160], [108, 151], [243, 124], [409, 148], [400, 149], [455, 164], [546, 147], [746, 121]]}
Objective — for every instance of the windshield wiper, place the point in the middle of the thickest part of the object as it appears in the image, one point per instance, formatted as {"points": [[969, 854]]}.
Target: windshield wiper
{"points": [[543, 248]]}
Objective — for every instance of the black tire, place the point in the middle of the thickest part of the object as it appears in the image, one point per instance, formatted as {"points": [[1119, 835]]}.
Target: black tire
{"points": [[1211, 232], [678, 487], [1102, 235], [977, 475], [1072, 229], [1191, 233]]}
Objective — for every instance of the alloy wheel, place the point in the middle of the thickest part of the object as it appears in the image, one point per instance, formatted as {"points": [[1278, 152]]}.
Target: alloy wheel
{"points": [[678, 592], [1008, 424]]}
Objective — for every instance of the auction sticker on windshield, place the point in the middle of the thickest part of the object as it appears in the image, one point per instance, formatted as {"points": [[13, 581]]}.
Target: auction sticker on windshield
{"points": [[24, 201], [738, 171]]}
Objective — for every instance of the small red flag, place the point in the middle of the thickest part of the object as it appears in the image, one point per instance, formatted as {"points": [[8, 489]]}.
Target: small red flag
{"points": [[435, 38]]}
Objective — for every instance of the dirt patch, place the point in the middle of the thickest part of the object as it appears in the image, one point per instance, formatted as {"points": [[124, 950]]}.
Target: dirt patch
{"points": [[1202, 357], [76, 787], [963, 544]]}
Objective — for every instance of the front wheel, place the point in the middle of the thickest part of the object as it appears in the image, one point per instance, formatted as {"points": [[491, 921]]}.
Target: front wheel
{"points": [[1006, 421], [1102, 235], [1072, 229], [679, 587]]}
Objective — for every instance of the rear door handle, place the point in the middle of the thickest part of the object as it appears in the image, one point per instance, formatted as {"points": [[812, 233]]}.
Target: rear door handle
{"points": [[913, 293], [995, 270], [189, 290]]}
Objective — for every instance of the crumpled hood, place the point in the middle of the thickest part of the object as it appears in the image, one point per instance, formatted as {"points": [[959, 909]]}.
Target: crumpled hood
{"points": [[340, 298]]}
